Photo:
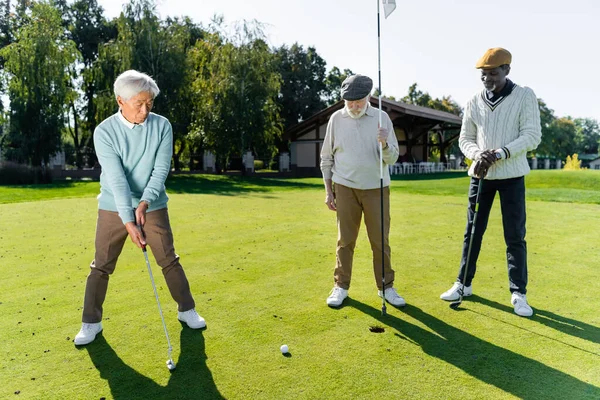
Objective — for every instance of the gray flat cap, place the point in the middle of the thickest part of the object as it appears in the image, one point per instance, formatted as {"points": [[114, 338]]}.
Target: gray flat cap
{"points": [[356, 87]]}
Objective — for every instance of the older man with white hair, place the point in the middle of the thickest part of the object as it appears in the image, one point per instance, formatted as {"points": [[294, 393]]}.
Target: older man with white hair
{"points": [[134, 148], [350, 167]]}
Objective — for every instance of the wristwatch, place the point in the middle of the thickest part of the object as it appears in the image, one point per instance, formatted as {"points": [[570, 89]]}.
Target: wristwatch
{"points": [[498, 155]]}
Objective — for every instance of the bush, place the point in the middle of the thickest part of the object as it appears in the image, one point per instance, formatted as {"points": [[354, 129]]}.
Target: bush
{"points": [[18, 174], [573, 163], [258, 165]]}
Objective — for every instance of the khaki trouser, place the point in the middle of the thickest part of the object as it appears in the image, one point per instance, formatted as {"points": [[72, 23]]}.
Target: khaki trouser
{"points": [[351, 204], [110, 238]]}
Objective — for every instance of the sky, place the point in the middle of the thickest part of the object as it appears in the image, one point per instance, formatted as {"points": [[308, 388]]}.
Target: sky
{"points": [[555, 45]]}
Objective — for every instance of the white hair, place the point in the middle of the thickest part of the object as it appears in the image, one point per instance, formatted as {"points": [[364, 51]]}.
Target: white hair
{"points": [[132, 82]]}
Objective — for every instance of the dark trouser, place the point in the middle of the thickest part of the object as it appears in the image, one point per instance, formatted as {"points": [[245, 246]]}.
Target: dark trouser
{"points": [[110, 238], [351, 204], [512, 203]]}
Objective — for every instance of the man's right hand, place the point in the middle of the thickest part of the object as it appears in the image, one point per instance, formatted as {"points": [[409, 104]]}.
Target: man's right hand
{"points": [[487, 159], [330, 201], [136, 235]]}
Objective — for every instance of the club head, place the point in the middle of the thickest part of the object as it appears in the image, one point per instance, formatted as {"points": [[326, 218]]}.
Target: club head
{"points": [[454, 305], [384, 310], [170, 365]]}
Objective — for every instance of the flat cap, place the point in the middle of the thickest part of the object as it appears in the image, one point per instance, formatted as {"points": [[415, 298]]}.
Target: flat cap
{"points": [[356, 87], [494, 58]]}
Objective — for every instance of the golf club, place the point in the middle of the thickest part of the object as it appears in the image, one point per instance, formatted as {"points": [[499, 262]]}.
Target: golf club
{"points": [[170, 363], [454, 305]]}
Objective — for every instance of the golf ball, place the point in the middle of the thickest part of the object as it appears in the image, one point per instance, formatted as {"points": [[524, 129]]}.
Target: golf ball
{"points": [[284, 349]]}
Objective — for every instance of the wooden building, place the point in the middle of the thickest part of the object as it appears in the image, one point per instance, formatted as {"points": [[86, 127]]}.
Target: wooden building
{"points": [[417, 130]]}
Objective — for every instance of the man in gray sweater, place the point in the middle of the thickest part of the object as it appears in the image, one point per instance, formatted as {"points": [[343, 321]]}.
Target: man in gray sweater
{"points": [[500, 125], [350, 165]]}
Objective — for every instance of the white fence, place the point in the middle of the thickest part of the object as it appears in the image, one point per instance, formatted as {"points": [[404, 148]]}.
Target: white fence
{"points": [[418, 168]]}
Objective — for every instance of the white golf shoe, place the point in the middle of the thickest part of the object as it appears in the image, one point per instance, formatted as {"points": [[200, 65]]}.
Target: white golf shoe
{"points": [[392, 297], [452, 294], [191, 318], [87, 333], [519, 301], [337, 296]]}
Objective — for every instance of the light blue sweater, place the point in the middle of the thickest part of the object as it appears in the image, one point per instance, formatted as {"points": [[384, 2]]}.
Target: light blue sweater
{"points": [[135, 161]]}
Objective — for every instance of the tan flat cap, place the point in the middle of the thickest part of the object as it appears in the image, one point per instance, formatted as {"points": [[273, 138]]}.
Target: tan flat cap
{"points": [[494, 58]]}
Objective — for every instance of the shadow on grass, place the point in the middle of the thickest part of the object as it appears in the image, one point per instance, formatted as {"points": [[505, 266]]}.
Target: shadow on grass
{"points": [[513, 373], [191, 379], [563, 324], [231, 185]]}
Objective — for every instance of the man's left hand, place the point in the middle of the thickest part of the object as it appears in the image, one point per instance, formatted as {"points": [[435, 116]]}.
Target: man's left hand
{"points": [[140, 213], [382, 136]]}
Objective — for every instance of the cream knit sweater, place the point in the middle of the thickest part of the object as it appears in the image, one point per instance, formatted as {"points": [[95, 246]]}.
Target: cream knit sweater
{"points": [[514, 124]]}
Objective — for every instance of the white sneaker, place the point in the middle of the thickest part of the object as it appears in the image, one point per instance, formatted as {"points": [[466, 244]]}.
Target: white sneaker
{"points": [[337, 296], [191, 318], [453, 293], [87, 333], [392, 297], [519, 301]]}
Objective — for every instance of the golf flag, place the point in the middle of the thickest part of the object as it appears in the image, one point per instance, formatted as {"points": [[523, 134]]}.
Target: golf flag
{"points": [[388, 7]]}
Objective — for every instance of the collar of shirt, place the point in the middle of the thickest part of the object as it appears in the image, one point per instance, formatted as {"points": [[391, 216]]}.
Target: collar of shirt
{"points": [[506, 90], [128, 124]]}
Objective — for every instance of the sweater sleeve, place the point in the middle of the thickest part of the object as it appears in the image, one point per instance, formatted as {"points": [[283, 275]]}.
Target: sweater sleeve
{"points": [[112, 167], [530, 129], [327, 151], [390, 155], [162, 166], [467, 140]]}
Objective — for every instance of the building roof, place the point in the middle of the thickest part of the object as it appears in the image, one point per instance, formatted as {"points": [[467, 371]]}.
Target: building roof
{"points": [[395, 109]]}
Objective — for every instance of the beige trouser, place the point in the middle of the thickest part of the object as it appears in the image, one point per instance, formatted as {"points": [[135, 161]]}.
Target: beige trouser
{"points": [[110, 238], [351, 204]]}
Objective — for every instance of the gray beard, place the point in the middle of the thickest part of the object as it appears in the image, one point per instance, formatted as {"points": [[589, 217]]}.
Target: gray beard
{"points": [[360, 114]]}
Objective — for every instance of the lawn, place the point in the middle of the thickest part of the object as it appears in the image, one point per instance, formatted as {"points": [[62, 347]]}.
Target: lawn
{"points": [[259, 254]]}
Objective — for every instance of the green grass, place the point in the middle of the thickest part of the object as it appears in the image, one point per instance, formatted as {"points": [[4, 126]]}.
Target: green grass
{"points": [[259, 255]]}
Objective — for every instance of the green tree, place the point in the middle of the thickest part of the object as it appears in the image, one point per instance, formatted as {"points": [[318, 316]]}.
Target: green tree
{"points": [[333, 84], [547, 118], [159, 48], [303, 86], [564, 137], [36, 69], [88, 29], [235, 90], [589, 132], [419, 98]]}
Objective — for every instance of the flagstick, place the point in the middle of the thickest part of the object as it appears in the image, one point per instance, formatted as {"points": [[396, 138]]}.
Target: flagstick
{"points": [[383, 308]]}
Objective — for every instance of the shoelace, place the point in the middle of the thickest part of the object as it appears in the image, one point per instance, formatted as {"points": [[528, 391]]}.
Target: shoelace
{"points": [[336, 291]]}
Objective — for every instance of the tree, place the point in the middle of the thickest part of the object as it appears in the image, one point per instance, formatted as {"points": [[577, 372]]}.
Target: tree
{"points": [[158, 48], [564, 137], [547, 118], [36, 68], [333, 84], [87, 27], [235, 87], [303, 86], [419, 98], [589, 132]]}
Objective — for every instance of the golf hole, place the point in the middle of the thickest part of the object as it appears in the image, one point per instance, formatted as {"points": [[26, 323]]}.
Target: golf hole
{"points": [[376, 329]]}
